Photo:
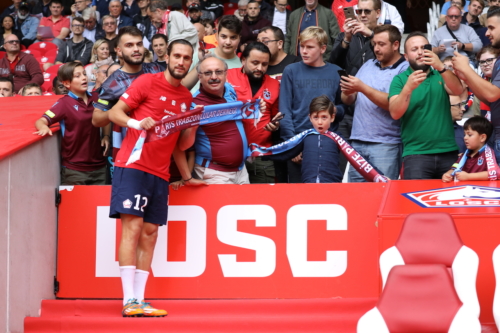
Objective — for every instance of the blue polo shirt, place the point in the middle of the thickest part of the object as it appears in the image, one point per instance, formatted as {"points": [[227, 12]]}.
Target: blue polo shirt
{"points": [[371, 123]]}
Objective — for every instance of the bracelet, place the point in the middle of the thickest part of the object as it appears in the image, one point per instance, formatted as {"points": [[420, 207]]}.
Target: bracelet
{"points": [[443, 70], [186, 180], [106, 135], [346, 42]]}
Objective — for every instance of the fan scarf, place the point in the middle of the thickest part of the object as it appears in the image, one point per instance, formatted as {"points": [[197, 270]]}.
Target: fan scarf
{"points": [[491, 162], [355, 159], [199, 116]]}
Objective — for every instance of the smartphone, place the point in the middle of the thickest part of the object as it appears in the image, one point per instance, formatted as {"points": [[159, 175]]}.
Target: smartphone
{"points": [[277, 120], [455, 48], [342, 72], [428, 47], [349, 13]]}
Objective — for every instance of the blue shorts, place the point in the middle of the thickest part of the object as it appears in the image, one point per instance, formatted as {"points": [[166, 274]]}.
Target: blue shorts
{"points": [[139, 193]]}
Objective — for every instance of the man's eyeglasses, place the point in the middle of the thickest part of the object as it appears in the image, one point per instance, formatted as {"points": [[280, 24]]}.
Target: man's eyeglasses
{"points": [[77, 25], [12, 42], [488, 61], [109, 23], [366, 11], [454, 17], [210, 73], [459, 104], [266, 42]]}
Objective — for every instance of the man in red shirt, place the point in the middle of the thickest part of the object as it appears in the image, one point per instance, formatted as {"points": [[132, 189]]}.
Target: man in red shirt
{"points": [[140, 190], [252, 82], [58, 23]]}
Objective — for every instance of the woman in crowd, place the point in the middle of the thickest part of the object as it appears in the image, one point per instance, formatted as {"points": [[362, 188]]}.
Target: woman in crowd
{"points": [[100, 56], [6, 29]]}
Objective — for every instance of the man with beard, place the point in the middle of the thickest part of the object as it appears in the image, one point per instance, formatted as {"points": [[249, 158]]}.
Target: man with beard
{"points": [[131, 49], [375, 135], [194, 13], [27, 24], [251, 82], [487, 92], [420, 98], [140, 190], [252, 23], [221, 148]]}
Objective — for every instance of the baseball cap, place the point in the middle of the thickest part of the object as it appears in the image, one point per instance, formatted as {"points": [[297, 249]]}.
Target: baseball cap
{"points": [[24, 5], [194, 7]]}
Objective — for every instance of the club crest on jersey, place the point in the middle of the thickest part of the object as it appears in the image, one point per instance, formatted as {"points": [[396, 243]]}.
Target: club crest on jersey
{"points": [[163, 98], [247, 110], [75, 107], [174, 102], [183, 107], [127, 204], [480, 161], [267, 94], [457, 196]]}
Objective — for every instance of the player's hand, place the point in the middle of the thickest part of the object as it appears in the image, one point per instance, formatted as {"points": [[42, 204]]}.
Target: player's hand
{"points": [[44, 131], [262, 105], [447, 177], [147, 123], [297, 159], [105, 144], [350, 84], [274, 124], [195, 182], [415, 79], [176, 185], [462, 175]]}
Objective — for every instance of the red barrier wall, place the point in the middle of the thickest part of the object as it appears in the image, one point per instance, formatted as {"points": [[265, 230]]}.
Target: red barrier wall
{"points": [[271, 241]]}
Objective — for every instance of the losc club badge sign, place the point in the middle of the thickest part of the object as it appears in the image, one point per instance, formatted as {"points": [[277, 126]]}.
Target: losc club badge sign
{"points": [[457, 196]]}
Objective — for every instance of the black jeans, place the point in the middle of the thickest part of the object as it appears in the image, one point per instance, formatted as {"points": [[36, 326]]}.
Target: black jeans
{"points": [[430, 166]]}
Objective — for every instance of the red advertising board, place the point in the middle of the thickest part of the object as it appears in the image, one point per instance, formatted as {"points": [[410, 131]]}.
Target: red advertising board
{"points": [[232, 241], [475, 207]]}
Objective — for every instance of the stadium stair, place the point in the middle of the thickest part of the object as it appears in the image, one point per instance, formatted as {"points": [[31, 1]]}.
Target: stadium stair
{"points": [[261, 315]]}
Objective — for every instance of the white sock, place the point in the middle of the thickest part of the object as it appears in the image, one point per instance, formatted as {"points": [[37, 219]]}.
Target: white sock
{"points": [[127, 274], [141, 277]]}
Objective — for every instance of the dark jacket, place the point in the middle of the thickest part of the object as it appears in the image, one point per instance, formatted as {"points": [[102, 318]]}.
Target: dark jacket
{"points": [[269, 15], [326, 20], [351, 59], [250, 29], [40, 8], [125, 21], [214, 6], [27, 71], [8, 11], [80, 51]]}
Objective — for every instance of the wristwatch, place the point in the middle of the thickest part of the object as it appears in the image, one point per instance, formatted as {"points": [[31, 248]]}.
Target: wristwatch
{"points": [[463, 47], [443, 70]]}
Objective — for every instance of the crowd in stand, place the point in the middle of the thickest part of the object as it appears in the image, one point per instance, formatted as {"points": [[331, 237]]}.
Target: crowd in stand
{"points": [[402, 113]]}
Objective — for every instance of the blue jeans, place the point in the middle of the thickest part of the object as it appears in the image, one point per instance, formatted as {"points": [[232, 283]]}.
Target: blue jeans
{"points": [[428, 166], [385, 157], [497, 150]]}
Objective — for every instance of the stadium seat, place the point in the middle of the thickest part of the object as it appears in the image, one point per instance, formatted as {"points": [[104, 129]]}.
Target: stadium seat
{"points": [[230, 11], [48, 77], [51, 54], [43, 47], [419, 298], [230, 5], [34, 53], [432, 238], [496, 299]]}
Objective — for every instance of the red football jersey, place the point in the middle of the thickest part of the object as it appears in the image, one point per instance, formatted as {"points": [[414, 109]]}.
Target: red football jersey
{"points": [[151, 95]]}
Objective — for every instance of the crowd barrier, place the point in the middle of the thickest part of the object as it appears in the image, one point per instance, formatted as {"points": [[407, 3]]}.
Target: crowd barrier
{"points": [[271, 241]]}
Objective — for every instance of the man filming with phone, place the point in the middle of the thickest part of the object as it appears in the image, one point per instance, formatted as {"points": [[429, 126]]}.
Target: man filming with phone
{"points": [[419, 97]]}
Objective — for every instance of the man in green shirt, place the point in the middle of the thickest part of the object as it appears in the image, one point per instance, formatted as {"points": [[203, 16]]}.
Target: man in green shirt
{"points": [[420, 98]]}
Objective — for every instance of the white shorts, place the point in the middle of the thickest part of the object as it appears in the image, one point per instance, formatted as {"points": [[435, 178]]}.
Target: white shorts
{"points": [[212, 176]]}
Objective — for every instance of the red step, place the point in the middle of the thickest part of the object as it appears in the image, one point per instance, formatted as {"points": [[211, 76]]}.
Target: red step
{"points": [[297, 315]]}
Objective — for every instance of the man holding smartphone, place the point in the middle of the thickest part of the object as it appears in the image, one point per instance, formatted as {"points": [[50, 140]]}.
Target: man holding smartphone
{"points": [[419, 97]]}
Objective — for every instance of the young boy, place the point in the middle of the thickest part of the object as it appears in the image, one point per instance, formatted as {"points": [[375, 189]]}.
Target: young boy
{"points": [[82, 154], [318, 154], [472, 165], [31, 89]]}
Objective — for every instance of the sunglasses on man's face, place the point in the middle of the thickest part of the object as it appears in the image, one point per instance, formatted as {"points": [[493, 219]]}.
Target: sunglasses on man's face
{"points": [[365, 11], [454, 17], [12, 42]]}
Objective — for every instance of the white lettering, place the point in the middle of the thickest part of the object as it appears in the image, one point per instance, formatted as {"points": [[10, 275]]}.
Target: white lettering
{"points": [[265, 248], [296, 244]]}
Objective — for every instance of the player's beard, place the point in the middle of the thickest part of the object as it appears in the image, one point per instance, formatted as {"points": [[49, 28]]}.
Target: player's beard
{"points": [[132, 61], [174, 74], [416, 67]]}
